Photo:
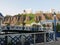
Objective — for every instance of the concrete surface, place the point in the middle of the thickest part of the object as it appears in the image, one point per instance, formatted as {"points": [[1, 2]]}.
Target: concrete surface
{"points": [[52, 43]]}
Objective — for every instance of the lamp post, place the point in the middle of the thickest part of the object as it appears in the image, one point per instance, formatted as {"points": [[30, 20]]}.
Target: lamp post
{"points": [[24, 12], [54, 14], [23, 23]]}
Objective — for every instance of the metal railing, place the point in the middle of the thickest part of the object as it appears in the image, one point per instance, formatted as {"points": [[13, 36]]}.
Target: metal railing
{"points": [[35, 38]]}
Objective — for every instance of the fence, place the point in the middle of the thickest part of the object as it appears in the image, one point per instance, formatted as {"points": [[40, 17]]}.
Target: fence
{"points": [[25, 28], [15, 38]]}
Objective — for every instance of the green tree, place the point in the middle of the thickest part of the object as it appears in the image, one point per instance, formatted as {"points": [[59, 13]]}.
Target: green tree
{"points": [[58, 27], [44, 25]]}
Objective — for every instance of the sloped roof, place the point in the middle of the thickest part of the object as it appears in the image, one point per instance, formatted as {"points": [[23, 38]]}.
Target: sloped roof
{"points": [[1, 15]]}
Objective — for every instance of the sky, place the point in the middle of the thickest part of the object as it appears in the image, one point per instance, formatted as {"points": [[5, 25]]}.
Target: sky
{"points": [[12, 7]]}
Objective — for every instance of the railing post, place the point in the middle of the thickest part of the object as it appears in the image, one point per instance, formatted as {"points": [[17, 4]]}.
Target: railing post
{"points": [[44, 37], [34, 40], [22, 39], [6, 38], [54, 36]]}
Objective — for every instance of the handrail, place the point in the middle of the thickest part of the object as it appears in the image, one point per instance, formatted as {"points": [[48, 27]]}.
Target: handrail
{"points": [[7, 33]]}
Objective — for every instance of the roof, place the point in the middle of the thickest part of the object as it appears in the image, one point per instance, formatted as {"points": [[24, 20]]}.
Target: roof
{"points": [[1, 15]]}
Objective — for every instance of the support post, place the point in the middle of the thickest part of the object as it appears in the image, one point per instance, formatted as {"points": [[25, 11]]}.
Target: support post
{"points": [[44, 37], [34, 40], [55, 25], [6, 40]]}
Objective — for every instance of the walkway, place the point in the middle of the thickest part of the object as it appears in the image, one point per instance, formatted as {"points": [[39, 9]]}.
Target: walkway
{"points": [[55, 43]]}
